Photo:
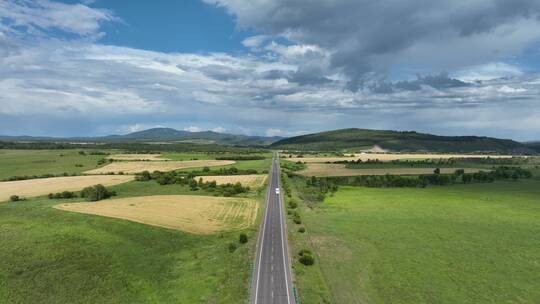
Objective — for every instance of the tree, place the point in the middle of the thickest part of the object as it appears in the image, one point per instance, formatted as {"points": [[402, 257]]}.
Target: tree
{"points": [[96, 193], [437, 171], [243, 238], [14, 198], [232, 247]]}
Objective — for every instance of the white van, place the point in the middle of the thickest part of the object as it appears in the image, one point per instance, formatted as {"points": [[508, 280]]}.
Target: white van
{"points": [[277, 190]]}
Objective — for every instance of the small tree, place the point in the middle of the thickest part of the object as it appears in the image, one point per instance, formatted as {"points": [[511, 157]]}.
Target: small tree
{"points": [[96, 193], [14, 198], [301, 229], [243, 238], [306, 257], [437, 171], [232, 247]]}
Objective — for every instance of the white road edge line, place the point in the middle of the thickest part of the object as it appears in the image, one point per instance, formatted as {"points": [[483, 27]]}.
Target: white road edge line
{"points": [[283, 242], [262, 237]]}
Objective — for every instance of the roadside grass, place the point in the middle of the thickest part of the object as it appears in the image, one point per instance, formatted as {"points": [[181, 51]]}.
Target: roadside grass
{"points": [[473, 243], [37, 162], [310, 284]]}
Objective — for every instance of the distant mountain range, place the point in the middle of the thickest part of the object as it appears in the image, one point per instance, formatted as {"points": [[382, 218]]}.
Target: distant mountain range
{"points": [[345, 139], [163, 135], [358, 139]]}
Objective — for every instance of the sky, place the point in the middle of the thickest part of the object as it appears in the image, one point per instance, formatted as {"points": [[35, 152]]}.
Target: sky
{"points": [[270, 67]]}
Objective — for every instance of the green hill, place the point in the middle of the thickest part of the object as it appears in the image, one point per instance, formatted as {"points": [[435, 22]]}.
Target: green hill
{"points": [[355, 139]]}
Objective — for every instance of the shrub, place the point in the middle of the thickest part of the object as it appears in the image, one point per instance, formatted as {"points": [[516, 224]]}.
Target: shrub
{"points": [[306, 257], [243, 238], [293, 204], [143, 176], [14, 198], [96, 193], [296, 218], [301, 229], [62, 195], [232, 247]]}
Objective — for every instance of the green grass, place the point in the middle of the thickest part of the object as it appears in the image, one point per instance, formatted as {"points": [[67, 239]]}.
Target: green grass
{"points": [[137, 188], [186, 155], [260, 165], [457, 244], [38, 162], [310, 284], [53, 256]]}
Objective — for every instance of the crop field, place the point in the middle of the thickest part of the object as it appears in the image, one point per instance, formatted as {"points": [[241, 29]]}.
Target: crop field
{"points": [[322, 170], [472, 244], [254, 180], [390, 157], [134, 157], [135, 167], [44, 186], [54, 256], [190, 213], [38, 162]]}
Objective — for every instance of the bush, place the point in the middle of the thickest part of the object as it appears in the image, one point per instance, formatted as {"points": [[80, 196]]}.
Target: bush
{"points": [[143, 176], [296, 218], [96, 193], [15, 198], [293, 204], [62, 195], [243, 238], [301, 229], [232, 247], [306, 257]]}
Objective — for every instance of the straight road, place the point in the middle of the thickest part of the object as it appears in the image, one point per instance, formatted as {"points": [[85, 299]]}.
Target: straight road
{"points": [[272, 280]]}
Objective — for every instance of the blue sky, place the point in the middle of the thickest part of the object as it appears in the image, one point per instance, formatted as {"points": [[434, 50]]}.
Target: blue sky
{"points": [[282, 67]]}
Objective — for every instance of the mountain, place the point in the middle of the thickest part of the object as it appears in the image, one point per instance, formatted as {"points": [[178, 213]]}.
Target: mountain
{"points": [[163, 135], [356, 139]]}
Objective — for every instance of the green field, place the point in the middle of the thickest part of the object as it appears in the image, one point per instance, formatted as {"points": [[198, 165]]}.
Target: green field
{"points": [[474, 243], [53, 256], [38, 162]]}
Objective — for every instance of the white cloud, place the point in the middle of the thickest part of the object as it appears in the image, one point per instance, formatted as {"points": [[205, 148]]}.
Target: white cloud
{"points": [[489, 71], [218, 130], [193, 129], [37, 15], [276, 91], [255, 41], [274, 132]]}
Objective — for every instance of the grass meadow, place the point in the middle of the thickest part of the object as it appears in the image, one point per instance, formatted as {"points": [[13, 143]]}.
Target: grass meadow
{"points": [[38, 162], [53, 256], [473, 244]]}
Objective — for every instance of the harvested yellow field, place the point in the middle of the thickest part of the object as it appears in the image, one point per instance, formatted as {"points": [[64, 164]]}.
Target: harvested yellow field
{"points": [[135, 167], [156, 157], [254, 180], [391, 157], [190, 213], [321, 170], [44, 186]]}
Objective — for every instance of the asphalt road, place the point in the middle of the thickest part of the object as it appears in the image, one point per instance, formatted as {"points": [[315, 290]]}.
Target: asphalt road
{"points": [[272, 283]]}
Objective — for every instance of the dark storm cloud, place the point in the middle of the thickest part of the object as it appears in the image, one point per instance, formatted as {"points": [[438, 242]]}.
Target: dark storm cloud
{"points": [[366, 36]]}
